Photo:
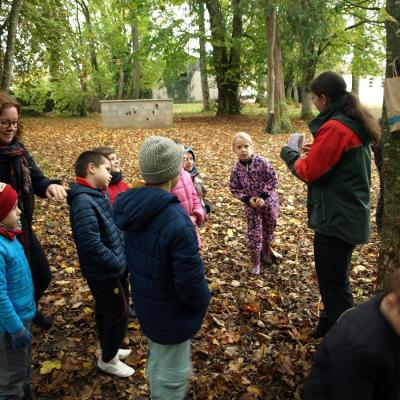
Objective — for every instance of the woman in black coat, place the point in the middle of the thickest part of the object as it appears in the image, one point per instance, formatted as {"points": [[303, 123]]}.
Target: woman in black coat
{"points": [[19, 170]]}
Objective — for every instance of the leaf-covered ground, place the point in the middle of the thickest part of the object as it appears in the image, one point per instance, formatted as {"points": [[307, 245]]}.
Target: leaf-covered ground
{"points": [[254, 342]]}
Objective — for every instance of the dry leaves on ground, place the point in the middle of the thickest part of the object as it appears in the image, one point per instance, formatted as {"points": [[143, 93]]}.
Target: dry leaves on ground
{"points": [[254, 342]]}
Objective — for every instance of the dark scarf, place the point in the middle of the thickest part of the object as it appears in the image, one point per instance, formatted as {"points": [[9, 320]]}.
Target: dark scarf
{"points": [[116, 177], [19, 167], [194, 172], [20, 179]]}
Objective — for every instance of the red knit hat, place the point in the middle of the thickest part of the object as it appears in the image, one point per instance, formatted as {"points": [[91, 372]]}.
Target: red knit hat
{"points": [[8, 198]]}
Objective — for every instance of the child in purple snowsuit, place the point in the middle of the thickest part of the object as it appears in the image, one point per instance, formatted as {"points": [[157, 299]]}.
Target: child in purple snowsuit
{"points": [[253, 181]]}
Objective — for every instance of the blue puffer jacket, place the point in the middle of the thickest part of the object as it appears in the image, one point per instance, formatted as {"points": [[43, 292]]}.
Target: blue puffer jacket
{"points": [[98, 241], [17, 304], [169, 289]]}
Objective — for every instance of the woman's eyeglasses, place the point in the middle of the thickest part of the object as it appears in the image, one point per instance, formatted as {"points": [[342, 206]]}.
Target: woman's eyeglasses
{"points": [[6, 124]]}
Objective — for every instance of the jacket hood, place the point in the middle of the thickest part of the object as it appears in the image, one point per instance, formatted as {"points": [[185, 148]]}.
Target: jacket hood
{"points": [[136, 207], [76, 189], [190, 150]]}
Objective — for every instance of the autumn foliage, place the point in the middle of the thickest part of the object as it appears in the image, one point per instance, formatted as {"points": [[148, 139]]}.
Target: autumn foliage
{"points": [[254, 342]]}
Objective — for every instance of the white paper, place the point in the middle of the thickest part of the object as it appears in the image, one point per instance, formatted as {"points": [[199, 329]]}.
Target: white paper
{"points": [[296, 141]]}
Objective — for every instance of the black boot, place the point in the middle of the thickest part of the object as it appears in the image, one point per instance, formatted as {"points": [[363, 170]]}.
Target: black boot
{"points": [[42, 321]]}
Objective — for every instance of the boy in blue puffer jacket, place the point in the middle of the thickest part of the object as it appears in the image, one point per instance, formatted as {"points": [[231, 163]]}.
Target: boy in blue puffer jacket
{"points": [[101, 255], [17, 305], [169, 289]]}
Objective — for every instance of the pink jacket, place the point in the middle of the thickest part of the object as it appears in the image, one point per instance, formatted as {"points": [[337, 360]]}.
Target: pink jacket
{"points": [[189, 199]]}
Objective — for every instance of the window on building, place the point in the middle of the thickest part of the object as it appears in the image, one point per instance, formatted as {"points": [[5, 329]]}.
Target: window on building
{"points": [[371, 82]]}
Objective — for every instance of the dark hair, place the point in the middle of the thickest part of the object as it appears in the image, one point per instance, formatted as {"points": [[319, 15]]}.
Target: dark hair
{"points": [[392, 284], [105, 150], [6, 101], [333, 86], [87, 157]]}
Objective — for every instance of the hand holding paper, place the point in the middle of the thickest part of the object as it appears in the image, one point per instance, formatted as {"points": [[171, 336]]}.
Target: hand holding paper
{"points": [[296, 141]]}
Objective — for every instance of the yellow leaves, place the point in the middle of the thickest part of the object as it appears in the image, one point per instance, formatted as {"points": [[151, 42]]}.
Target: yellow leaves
{"points": [[134, 325], [236, 365], [230, 233], [87, 310], [60, 302], [255, 391], [87, 365], [358, 269], [49, 366]]}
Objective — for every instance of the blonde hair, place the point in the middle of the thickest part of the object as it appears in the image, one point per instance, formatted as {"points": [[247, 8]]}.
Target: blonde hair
{"points": [[244, 136]]}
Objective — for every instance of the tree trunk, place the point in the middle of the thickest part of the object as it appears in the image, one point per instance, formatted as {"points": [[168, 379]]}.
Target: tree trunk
{"points": [[121, 82], [226, 56], [270, 30], [205, 91], [10, 49], [289, 90], [93, 56], [295, 93], [278, 118], [135, 59], [261, 97], [389, 256], [2, 27], [355, 84], [306, 100]]}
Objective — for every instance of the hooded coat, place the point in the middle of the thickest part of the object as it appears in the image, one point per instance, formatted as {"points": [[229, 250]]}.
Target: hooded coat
{"points": [[169, 289]]}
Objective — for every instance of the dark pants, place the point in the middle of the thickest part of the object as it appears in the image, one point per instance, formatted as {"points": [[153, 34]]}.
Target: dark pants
{"points": [[111, 313], [15, 368], [40, 268], [332, 258]]}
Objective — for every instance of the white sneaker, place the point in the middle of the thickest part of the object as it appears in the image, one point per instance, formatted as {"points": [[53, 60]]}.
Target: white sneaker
{"points": [[115, 367], [123, 354]]}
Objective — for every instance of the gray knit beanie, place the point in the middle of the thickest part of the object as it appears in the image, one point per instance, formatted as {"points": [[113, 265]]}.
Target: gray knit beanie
{"points": [[160, 159]]}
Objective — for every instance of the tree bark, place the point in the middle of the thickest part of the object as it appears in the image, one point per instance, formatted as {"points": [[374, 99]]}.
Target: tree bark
{"points": [[355, 84], [306, 100], [135, 59], [295, 93], [277, 118], [205, 91], [261, 97], [121, 79], [226, 56], [389, 256], [10, 49]]}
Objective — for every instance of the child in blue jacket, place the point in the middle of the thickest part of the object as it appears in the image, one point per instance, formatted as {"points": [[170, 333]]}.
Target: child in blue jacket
{"points": [[169, 289], [17, 305], [101, 255]]}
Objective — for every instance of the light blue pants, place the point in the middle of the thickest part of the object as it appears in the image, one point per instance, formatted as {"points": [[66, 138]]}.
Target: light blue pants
{"points": [[169, 368]]}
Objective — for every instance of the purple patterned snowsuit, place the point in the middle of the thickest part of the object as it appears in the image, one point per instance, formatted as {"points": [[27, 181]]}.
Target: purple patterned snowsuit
{"points": [[257, 179]]}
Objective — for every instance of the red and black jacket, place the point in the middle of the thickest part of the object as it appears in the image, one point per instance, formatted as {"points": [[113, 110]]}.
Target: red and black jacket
{"points": [[337, 170]]}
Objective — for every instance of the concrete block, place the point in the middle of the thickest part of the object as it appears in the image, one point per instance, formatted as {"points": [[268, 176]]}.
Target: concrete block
{"points": [[144, 113]]}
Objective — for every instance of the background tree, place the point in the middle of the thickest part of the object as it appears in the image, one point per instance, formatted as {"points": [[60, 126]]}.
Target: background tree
{"points": [[226, 43], [277, 116], [11, 22], [389, 257]]}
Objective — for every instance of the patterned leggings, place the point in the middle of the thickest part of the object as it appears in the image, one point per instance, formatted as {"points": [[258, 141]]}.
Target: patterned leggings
{"points": [[261, 225]]}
